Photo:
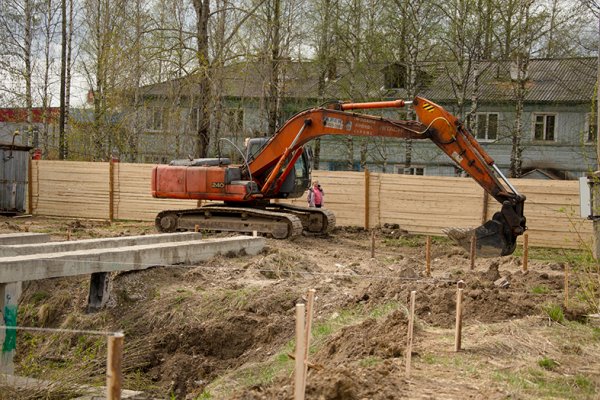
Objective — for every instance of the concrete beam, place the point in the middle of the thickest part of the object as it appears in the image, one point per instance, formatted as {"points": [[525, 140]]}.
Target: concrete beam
{"points": [[104, 243], [53, 265], [7, 239]]}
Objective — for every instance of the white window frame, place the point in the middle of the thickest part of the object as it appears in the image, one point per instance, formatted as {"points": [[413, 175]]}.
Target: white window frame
{"points": [[534, 124], [487, 126], [588, 138], [413, 170]]}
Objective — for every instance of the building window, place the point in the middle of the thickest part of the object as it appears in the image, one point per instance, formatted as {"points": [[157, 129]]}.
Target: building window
{"points": [[414, 170], [486, 126], [193, 119], [154, 119], [544, 127], [591, 127]]}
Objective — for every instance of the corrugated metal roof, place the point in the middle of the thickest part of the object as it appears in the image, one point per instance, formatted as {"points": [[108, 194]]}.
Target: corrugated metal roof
{"points": [[549, 80]]}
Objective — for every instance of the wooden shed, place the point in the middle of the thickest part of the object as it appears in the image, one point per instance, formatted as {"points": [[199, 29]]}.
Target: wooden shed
{"points": [[14, 164]]}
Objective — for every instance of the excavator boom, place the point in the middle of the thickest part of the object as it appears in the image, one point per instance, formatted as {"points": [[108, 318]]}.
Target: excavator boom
{"points": [[262, 176]]}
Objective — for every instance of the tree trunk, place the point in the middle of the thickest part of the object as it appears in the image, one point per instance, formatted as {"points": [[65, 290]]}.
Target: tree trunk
{"points": [[68, 80], [28, 72], [202, 9], [63, 84], [273, 102]]}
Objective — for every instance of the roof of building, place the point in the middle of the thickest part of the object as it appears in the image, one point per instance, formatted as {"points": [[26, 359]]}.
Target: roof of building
{"points": [[548, 80], [20, 114]]}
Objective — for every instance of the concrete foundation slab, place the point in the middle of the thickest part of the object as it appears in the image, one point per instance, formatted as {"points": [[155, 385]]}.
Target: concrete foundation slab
{"points": [[104, 243], [52, 265], [23, 238]]}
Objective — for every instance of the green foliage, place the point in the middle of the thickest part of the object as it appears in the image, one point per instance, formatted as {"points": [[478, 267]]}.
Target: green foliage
{"points": [[547, 363], [554, 312]]}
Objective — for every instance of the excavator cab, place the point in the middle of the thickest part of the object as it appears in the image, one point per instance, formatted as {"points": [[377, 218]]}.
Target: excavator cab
{"points": [[297, 180]]}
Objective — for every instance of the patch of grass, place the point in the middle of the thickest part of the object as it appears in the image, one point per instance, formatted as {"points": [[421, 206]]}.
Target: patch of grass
{"points": [[540, 289], [351, 316], [137, 380], [369, 361], [431, 359], [547, 363], [556, 255], [554, 312], [40, 296], [405, 241], [539, 384], [596, 334]]}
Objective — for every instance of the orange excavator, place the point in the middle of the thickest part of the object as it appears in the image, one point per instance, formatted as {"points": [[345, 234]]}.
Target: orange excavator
{"points": [[279, 167]]}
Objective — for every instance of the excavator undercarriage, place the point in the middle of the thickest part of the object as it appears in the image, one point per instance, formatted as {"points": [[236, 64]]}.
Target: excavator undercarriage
{"points": [[280, 221]]}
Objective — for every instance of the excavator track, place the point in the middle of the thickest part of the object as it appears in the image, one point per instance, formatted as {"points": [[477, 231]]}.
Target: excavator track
{"points": [[315, 221], [218, 217]]}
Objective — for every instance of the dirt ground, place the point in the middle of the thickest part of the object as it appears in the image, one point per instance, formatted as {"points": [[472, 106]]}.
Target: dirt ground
{"points": [[223, 329]]}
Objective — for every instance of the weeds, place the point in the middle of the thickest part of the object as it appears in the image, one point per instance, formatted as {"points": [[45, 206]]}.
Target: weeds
{"points": [[554, 312], [547, 363]]}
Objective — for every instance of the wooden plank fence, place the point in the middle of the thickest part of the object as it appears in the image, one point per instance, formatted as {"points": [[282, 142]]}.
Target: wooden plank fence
{"points": [[419, 204]]}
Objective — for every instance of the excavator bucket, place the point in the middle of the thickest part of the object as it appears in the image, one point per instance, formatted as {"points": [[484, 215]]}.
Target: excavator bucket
{"points": [[492, 239]]}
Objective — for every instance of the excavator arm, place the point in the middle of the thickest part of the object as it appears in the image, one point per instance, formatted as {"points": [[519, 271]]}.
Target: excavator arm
{"points": [[494, 238]]}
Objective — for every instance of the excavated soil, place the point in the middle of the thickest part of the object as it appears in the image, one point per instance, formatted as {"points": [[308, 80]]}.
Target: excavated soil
{"points": [[224, 328]]}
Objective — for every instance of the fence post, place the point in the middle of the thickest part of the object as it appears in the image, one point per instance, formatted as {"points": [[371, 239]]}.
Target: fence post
{"points": [[29, 187], [299, 364], [367, 211], [114, 361], [111, 190]]}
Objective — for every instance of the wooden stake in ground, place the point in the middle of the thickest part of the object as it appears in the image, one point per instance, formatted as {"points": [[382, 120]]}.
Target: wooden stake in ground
{"points": [[473, 251], [566, 285], [68, 234], [458, 332], [300, 351], [409, 336], [373, 243], [428, 256], [310, 301], [114, 377], [525, 251]]}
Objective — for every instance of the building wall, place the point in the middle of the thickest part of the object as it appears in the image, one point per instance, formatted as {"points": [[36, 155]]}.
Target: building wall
{"points": [[570, 152]]}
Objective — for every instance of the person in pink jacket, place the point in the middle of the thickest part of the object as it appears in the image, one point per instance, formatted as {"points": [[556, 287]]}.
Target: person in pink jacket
{"points": [[315, 195]]}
